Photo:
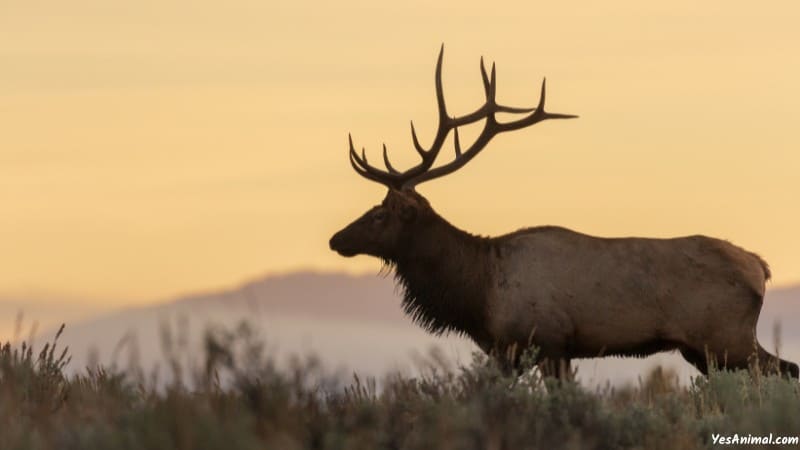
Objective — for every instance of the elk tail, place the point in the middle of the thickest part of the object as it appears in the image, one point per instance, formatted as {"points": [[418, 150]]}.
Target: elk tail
{"points": [[764, 266]]}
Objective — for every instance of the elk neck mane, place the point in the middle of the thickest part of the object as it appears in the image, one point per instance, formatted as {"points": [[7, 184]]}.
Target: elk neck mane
{"points": [[444, 273]]}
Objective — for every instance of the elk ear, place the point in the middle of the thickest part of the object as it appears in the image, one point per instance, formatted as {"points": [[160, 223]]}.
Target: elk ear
{"points": [[408, 213]]}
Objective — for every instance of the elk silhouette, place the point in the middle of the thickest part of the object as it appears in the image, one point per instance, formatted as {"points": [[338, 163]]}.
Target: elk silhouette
{"points": [[570, 294]]}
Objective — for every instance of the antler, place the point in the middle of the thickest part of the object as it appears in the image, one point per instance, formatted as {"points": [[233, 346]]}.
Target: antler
{"points": [[423, 171]]}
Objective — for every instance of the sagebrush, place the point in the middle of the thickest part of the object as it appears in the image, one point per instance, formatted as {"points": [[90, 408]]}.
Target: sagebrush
{"points": [[239, 398]]}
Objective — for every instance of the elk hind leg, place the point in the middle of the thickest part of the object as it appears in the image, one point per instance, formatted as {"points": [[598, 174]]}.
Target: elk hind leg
{"points": [[751, 355], [769, 363]]}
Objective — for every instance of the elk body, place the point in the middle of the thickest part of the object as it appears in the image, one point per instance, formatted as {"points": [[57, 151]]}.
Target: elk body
{"points": [[569, 294]]}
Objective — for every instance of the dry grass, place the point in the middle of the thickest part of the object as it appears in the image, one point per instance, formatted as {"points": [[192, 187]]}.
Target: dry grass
{"points": [[240, 400]]}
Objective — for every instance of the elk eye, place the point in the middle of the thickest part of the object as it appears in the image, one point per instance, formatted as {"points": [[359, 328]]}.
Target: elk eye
{"points": [[379, 216]]}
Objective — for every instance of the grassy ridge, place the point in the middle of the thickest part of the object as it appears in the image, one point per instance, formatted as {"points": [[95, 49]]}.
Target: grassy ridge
{"points": [[240, 400]]}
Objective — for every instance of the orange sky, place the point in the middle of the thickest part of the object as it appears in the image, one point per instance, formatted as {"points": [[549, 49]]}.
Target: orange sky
{"points": [[156, 147]]}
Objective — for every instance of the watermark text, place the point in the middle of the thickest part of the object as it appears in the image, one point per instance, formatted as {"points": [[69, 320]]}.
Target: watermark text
{"points": [[750, 439]]}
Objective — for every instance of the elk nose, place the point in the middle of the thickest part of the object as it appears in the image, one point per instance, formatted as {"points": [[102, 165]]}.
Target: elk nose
{"points": [[339, 244], [336, 241]]}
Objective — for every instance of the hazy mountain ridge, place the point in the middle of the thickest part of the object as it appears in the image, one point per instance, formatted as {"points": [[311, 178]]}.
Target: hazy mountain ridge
{"points": [[781, 305], [351, 321], [372, 297]]}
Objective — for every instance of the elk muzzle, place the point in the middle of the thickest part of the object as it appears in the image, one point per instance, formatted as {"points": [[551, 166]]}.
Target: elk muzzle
{"points": [[339, 244]]}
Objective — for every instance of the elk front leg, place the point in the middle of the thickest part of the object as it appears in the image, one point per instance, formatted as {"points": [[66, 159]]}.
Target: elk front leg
{"points": [[558, 368], [506, 356]]}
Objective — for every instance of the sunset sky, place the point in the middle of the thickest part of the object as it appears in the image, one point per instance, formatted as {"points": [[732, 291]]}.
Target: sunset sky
{"points": [[157, 147]]}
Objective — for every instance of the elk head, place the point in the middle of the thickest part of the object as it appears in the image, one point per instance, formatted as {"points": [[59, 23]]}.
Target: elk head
{"points": [[404, 214]]}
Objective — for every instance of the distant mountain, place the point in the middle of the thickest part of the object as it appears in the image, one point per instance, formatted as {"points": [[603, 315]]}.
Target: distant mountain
{"points": [[334, 296], [354, 322], [781, 306], [22, 314]]}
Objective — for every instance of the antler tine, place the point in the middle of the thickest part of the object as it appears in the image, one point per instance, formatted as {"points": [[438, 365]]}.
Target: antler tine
{"points": [[489, 83], [490, 130], [456, 142], [487, 86], [493, 84], [428, 155], [354, 161], [420, 149], [387, 163], [395, 179], [491, 106], [362, 167], [439, 88], [542, 95], [538, 115], [354, 158]]}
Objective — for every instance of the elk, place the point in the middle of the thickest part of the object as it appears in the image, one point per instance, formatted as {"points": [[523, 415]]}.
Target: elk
{"points": [[569, 294]]}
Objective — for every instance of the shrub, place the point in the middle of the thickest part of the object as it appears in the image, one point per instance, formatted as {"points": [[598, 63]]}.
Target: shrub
{"points": [[240, 399]]}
